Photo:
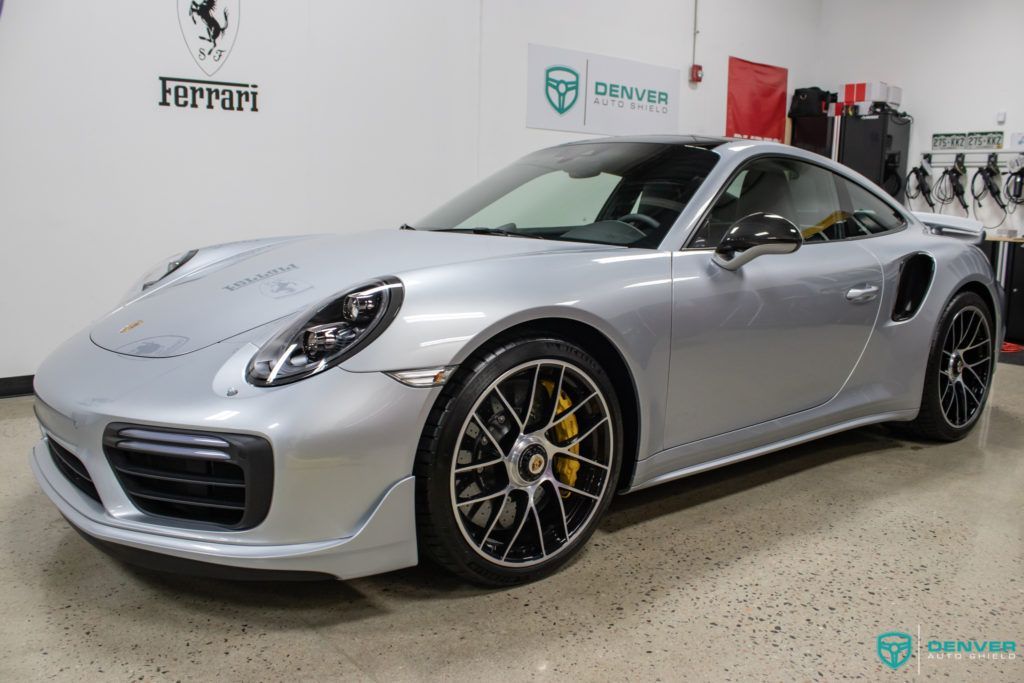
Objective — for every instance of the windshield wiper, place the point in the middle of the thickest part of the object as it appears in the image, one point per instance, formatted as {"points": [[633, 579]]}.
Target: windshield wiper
{"points": [[405, 226], [502, 231]]}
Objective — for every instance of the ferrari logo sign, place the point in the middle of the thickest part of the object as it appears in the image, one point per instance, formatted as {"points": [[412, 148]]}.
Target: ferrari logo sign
{"points": [[894, 648], [562, 88], [209, 28]]}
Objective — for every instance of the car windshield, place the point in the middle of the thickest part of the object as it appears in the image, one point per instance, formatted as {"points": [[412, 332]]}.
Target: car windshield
{"points": [[618, 193]]}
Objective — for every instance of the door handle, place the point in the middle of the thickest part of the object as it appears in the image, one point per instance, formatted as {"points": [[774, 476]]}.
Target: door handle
{"points": [[862, 294]]}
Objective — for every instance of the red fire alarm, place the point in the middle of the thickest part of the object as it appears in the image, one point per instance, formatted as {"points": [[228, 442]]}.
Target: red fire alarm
{"points": [[696, 73]]}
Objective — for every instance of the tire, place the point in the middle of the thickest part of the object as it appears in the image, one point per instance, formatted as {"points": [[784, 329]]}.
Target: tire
{"points": [[503, 494], [959, 373]]}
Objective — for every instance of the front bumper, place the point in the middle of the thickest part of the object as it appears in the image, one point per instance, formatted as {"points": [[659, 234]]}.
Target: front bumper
{"points": [[386, 541], [343, 448]]}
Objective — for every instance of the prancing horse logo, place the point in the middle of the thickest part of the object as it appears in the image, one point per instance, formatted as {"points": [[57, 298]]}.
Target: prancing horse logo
{"points": [[209, 28], [214, 29]]}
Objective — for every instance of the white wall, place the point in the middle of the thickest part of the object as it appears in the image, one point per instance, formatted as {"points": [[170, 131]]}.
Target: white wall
{"points": [[954, 60], [371, 113]]}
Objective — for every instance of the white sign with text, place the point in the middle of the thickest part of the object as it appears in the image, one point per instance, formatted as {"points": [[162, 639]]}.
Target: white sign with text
{"points": [[588, 93]]}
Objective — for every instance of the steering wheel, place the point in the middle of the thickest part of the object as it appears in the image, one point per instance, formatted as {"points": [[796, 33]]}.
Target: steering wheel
{"points": [[640, 218]]}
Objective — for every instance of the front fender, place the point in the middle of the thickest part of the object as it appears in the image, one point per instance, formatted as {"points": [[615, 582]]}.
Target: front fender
{"points": [[450, 312]]}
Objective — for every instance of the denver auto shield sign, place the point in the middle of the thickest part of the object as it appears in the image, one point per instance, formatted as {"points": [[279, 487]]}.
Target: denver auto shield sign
{"points": [[588, 93]]}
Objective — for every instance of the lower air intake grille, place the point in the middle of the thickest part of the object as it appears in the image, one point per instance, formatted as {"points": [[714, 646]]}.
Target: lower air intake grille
{"points": [[72, 468], [198, 478]]}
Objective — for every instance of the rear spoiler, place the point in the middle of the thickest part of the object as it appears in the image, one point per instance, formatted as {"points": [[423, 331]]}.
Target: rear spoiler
{"points": [[953, 226]]}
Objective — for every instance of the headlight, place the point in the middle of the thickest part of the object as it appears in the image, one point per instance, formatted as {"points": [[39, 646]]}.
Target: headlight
{"points": [[334, 330]]}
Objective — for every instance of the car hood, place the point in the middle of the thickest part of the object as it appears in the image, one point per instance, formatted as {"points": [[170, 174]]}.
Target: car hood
{"points": [[228, 297]]}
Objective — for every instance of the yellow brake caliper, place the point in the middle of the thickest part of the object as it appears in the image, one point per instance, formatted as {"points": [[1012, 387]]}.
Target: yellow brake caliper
{"points": [[566, 430]]}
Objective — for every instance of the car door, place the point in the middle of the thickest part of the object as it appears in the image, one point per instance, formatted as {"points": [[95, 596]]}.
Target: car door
{"points": [[782, 333]]}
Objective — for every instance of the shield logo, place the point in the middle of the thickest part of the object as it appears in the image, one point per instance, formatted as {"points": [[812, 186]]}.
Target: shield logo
{"points": [[562, 87], [894, 648], [209, 28]]}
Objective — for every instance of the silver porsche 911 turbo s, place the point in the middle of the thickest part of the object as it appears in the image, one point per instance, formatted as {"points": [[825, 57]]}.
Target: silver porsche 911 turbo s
{"points": [[473, 388]]}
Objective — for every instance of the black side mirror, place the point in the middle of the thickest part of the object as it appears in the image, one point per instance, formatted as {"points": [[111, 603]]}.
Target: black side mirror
{"points": [[756, 235]]}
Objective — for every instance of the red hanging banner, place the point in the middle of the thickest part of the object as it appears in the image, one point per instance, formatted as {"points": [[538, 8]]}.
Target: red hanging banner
{"points": [[756, 102]]}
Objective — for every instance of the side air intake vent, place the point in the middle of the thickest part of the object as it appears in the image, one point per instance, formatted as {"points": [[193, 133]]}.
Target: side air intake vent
{"points": [[72, 468], [199, 478], [915, 279]]}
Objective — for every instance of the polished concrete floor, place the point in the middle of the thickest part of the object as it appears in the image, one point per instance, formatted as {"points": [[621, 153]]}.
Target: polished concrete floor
{"points": [[785, 568]]}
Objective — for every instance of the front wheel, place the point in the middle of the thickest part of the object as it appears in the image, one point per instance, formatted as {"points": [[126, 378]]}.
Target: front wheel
{"points": [[519, 460], [959, 373]]}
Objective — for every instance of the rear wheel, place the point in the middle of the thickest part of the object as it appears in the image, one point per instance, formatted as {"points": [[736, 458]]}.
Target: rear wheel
{"points": [[959, 371], [519, 460]]}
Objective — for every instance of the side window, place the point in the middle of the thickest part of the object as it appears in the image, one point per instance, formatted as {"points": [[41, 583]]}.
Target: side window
{"points": [[865, 213], [802, 192], [815, 203]]}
